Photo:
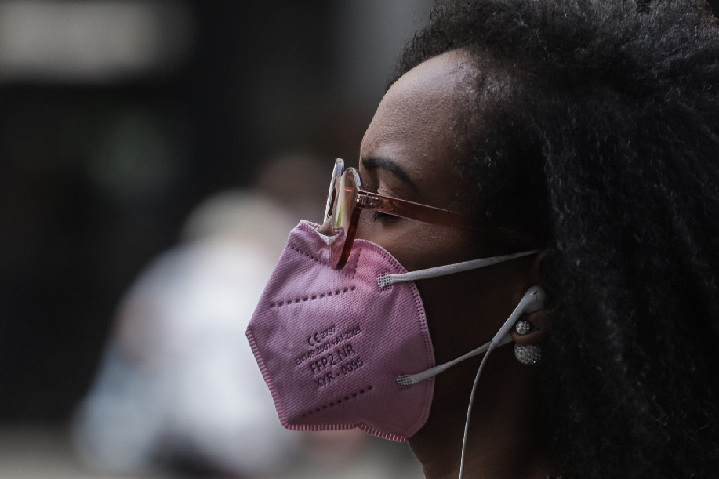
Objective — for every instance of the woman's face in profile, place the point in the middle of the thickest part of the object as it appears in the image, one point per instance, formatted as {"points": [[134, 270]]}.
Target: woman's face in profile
{"points": [[408, 152]]}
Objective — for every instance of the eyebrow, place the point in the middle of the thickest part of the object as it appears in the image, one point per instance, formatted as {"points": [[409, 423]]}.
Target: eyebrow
{"points": [[372, 163]]}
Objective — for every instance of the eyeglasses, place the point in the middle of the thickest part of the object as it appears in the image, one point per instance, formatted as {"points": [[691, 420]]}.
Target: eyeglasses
{"points": [[346, 199]]}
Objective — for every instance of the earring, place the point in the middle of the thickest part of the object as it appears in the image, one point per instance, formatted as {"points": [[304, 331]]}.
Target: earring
{"points": [[528, 355], [523, 327]]}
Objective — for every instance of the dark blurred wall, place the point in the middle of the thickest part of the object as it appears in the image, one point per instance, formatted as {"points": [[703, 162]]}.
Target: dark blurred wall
{"points": [[95, 179]]}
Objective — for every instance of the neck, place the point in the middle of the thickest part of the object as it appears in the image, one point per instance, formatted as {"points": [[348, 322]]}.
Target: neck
{"points": [[504, 439]]}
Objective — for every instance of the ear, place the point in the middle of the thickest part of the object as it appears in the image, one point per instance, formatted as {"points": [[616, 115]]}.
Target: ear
{"points": [[539, 321]]}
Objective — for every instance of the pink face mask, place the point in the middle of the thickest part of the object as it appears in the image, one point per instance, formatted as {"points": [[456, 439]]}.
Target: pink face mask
{"points": [[350, 348]]}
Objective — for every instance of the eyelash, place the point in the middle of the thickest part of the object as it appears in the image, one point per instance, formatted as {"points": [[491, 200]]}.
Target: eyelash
{"points": [[379, 215]]}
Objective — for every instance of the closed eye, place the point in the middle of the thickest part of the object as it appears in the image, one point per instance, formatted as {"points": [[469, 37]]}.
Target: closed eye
{"points": [[382, 216]]}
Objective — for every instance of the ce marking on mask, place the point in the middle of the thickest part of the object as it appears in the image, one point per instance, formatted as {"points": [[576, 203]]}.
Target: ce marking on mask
{"points": [[332, 356], [315, 339]]}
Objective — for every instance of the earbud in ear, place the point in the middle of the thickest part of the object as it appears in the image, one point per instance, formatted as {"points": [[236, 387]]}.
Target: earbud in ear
{"points": [[533, 300]]}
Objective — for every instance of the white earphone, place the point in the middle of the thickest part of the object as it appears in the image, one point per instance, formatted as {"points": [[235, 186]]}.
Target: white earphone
{"points": [[533, 300]]}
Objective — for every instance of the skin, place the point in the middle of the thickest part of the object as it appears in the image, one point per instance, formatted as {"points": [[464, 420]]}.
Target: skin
{"points": [[408, 152]]}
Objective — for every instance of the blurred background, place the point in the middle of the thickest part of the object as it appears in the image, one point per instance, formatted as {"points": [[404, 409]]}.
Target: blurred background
{"points": [[130, 129], [153, 156]]}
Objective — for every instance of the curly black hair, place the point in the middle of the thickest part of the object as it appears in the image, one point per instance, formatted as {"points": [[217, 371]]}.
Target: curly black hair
{"points": [[595, 125]]}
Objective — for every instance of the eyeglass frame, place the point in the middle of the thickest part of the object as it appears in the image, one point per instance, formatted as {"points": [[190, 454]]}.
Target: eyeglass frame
{"points": [[406, 209]]}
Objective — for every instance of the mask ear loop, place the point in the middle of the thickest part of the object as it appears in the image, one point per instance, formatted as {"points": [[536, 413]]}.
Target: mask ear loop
{"points": [[388, 279], [532, 301]]}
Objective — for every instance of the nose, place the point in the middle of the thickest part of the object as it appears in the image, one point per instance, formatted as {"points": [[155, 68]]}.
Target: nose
{"points": [[326, 227]]}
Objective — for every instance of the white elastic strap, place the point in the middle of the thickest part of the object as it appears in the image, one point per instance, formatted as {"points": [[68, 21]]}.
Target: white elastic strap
{"points": [[409, 379], [388, 279]]}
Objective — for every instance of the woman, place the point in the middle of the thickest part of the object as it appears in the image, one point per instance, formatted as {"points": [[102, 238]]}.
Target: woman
{"points": [[572, 147]]}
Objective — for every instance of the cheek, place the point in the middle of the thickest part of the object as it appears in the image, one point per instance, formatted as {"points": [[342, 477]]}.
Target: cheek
{"points": [[417, 245], [445, 301], [465, 310]]}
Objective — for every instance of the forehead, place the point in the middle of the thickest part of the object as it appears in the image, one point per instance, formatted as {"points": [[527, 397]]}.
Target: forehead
{"points": [[417, 123], [426, 97]]}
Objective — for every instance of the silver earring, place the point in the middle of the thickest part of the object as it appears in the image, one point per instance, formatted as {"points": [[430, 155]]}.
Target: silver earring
{"points": [[523, 327], [528, 355]]}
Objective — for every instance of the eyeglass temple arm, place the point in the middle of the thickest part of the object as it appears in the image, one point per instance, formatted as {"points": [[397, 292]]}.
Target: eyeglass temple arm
{"points": [[431, 214]]}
